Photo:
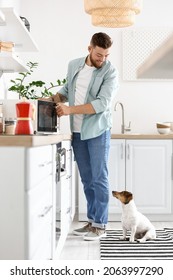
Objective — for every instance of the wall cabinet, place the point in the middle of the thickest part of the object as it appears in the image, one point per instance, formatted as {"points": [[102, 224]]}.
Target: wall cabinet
{"points": [[143, 167]]}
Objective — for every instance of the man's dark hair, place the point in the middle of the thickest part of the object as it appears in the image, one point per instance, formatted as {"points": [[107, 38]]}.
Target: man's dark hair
{"points": [[101, 40]]}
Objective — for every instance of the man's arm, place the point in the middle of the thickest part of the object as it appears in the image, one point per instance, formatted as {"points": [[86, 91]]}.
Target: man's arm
{"points": [[64, 110]]}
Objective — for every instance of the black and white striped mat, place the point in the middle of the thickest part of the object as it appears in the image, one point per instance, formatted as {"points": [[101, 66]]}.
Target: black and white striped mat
{"points": [[112, 248]]}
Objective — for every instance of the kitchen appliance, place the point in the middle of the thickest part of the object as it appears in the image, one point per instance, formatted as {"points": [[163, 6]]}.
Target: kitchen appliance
{"points": [[60, 171], [46, 120], [24, 111]]}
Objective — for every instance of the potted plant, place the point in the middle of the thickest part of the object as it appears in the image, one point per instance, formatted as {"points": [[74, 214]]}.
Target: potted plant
{"points": [[30, 90]]}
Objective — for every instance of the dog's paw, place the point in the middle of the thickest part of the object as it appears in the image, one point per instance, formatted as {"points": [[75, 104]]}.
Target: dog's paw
{"points": [[141, 240], [131, 240], [122, 238]]}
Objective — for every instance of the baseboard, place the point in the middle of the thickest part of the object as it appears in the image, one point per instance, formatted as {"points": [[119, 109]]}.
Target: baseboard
{"points": [[117, 217]]}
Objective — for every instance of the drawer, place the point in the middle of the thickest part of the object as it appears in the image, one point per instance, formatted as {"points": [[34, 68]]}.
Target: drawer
{"points": [[40, 212], [41, 241], [39, 165]]}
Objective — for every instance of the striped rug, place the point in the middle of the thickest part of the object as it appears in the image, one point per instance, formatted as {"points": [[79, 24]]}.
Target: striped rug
{"points": [[112, 248]]}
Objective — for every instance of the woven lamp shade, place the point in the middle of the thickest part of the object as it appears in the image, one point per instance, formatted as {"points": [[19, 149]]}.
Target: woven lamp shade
{"points": [[113, 13]]}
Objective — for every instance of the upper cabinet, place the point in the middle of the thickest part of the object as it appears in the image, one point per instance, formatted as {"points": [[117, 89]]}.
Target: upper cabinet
{"points": [[13, 29]]}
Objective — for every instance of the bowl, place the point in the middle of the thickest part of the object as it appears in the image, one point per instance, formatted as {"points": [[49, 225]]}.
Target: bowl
{"points": [[163, 125], [164, 130], [171, 124]]}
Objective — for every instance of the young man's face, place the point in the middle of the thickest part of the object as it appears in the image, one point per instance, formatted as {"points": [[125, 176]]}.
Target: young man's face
{"points": [[98, 55]]}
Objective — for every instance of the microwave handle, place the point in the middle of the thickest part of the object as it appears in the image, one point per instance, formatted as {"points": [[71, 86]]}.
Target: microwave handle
{"points": [[63, 156], [58, 171]]}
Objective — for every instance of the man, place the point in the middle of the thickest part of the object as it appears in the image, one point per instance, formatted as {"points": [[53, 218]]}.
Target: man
{"points": [[91, 85]]}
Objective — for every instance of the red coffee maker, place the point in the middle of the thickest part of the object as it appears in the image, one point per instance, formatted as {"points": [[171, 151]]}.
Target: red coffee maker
{"points": [[24, 111]]}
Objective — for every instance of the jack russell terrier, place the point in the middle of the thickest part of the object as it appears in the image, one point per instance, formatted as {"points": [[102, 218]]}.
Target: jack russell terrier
{"points": [[139, 225]]}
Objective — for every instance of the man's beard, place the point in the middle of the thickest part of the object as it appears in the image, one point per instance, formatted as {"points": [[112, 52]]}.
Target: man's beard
{"points": [[94, 63]]}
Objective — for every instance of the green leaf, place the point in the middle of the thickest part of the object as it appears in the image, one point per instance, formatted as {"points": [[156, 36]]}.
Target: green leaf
{"points": [[30, 90], [22, 73]]}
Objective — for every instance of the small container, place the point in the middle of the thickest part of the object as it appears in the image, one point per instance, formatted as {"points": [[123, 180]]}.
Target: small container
{"points": [[1, 125], [10, 125], [165, 130], [1, 119]]}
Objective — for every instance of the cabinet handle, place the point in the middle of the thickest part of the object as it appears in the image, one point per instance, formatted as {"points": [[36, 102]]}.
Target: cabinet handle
{"points": [[45, 163], [122, 151], [46, 211], [128, 151], [68, 210]]}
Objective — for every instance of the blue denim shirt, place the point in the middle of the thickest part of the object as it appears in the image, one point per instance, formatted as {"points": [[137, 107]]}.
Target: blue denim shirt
{"points": [[101, 91]]}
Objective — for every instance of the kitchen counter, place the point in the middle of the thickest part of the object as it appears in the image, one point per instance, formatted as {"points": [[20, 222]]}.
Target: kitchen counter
{"points": [[32, 140], [41, 140], [142, 136]]}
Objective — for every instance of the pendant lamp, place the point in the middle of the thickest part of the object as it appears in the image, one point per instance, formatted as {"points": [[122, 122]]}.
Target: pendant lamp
{"points": [[113, 13]]}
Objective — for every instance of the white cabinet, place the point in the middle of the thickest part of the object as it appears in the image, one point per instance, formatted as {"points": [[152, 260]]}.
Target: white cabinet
{"points": [[13, 29], [39, 196], [143, 167], [27, 202]]}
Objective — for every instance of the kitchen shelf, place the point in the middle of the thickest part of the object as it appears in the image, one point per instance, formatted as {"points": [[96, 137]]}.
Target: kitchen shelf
{"points": [[159, 64], [2, 18], [13, 29], [10, 62]]}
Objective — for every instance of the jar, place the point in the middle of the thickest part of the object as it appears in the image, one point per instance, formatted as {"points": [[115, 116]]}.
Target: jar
{"points": [[1, 119], [10, 125], [1, 125]]}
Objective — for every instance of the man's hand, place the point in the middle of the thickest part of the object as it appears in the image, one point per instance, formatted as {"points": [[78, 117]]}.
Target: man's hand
{"points": [[62, 110]]}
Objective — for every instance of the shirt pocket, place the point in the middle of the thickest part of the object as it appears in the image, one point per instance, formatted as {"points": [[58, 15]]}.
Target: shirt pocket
{"points": [[96, 86]]}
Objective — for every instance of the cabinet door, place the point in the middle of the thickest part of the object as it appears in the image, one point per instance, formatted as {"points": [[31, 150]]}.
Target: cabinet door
{"points": [[39, 165], [116, 169], [148, 174], [40, 206], [65, 205]]}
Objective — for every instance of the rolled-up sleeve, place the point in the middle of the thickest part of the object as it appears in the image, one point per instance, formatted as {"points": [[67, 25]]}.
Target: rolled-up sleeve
{"points": [[106, 92]]}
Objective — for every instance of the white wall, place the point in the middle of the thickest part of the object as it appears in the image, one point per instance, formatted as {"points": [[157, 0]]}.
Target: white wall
{"points": [[11, 3], [63, 30]]}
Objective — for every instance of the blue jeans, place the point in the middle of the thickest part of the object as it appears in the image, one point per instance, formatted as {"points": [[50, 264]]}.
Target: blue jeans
{"points": [[91, 156]]}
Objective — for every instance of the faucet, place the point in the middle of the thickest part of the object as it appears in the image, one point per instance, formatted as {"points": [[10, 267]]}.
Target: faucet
{"points": [[123, 127]]}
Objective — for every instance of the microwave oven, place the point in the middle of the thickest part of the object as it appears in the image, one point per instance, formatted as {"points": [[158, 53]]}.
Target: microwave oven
{"points": [[46, 120]]}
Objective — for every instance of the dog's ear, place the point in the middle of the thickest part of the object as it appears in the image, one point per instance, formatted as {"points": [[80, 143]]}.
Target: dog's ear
{"points": [[130, 196], [113, 193]]}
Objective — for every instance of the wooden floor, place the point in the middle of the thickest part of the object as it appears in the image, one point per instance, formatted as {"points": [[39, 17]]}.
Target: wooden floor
{"points": [[77, 249]]}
